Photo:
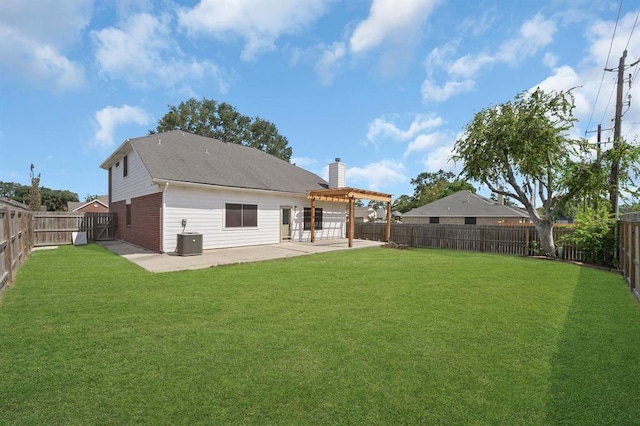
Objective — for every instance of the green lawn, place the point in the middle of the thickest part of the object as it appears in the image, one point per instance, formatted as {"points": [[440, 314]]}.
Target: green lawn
{"points": [[369, 336]]}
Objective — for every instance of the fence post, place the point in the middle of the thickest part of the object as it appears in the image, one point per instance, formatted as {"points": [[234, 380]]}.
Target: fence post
{"points": [[8, 249]]}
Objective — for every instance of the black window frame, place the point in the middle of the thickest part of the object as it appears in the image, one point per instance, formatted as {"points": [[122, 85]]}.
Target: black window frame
{"points": [[247, 216], [434, 220], [128, 215], [307, 219], [470, 220], [125, 166]]}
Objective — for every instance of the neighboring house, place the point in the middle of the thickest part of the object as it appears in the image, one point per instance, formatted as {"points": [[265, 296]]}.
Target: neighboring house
{"points": [[12, 204], [98, 205], [168, 183], [465, 208], [364, 214], [381, 215]]}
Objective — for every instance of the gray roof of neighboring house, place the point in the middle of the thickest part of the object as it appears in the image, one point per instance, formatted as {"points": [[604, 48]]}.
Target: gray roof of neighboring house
{"points": [[185, 157], [468, 204]]}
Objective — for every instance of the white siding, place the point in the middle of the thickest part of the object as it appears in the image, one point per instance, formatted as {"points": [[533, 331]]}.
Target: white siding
{"points": [[204, 211], [137, 182]]}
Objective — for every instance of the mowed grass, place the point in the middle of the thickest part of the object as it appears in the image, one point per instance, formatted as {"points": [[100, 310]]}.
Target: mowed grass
{"points": [[369, 336]]}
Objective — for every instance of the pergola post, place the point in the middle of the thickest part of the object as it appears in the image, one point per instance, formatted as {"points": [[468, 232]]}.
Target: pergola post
{"points": [[387, 235], [313, 220], [352, 221]]}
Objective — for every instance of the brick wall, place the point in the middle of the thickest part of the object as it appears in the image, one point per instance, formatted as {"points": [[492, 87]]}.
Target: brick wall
{"points": [[146, 221]]}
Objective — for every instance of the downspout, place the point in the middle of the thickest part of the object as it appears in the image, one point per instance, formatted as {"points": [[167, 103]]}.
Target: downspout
{"points": [[163, 188]]}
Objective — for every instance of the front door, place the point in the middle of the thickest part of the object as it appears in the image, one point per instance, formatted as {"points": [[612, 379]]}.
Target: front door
{"points": [[285, 223]]}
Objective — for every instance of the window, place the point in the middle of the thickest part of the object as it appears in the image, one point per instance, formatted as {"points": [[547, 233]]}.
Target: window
{"points": [[434, 220], [307, 219], [469, 220], [241, 215], [125, 166], [128, 214]]}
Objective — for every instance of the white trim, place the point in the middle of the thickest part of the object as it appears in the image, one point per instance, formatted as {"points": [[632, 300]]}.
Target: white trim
{"points": [[161, 182]]}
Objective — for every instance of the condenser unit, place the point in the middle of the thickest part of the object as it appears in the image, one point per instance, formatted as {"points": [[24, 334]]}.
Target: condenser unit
{"points": [[189, 244]]}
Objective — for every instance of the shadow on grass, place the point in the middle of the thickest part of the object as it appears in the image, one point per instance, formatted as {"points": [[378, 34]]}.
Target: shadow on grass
{"points": [[595, 372]]}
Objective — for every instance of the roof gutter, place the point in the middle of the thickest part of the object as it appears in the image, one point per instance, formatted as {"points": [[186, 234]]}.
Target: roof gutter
{"points": [[164, 183]]}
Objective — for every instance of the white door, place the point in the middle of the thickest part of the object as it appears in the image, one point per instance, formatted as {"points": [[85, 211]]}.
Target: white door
{"points": [[285, 223]]}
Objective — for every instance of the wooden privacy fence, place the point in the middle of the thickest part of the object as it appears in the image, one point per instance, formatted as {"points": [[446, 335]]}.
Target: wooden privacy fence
{"points": [[56, 228], [513, 240], [16, 240], [630, 250]]}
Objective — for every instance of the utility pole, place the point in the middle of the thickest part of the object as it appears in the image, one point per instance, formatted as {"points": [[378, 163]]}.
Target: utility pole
{"points": [[617, 132]]}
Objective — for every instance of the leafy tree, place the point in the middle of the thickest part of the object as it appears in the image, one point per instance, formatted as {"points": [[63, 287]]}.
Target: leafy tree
{"points": [[54, 199], [403, 203], [15, 191], [222, 121], [34, 192], [430, 187], [90, 197], [522, 149], [593, 234], [57, 199]]}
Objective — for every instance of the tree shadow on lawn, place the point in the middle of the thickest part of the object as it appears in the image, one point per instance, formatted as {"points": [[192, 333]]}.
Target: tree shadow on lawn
{"points": [[595, 372]]}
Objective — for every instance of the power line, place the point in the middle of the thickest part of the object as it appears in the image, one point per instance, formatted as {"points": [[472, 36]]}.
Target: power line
{"points": [[632, 28], [615, 28]]}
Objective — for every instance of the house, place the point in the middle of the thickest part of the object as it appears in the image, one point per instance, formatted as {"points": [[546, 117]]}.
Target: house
{"points": [[381, 215], [97, 205], [364, 214], [466, 208], [168, 183]]}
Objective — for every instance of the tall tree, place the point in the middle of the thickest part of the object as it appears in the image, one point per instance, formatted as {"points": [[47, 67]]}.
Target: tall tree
{"points": [[429, 187], [522, 149], [222, 121], [34, 192]]}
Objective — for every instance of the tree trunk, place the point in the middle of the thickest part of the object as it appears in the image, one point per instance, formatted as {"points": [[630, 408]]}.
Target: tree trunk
{"points": [[545, 233]]}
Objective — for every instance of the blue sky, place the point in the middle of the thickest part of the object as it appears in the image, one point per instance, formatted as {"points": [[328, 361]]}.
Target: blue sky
{"points": [[386, 85]]}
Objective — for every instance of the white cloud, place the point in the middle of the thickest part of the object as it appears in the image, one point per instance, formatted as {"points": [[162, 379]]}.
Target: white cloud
{"points": [[329, 63], [142, 51], [533, 35], [260, 23], [111, 117], [469, 65], [391, 20], [377, 176], [304, 162], [381, 128], [432, 92], [440, 159], [34, 40], [424, 142]]}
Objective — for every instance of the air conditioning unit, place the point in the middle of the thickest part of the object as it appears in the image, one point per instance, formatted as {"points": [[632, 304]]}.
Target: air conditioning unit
{"points": [[189, 244]]}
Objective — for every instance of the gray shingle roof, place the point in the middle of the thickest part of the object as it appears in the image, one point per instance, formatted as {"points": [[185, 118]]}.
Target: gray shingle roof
{"points": [[185, 157], [465, 203]]}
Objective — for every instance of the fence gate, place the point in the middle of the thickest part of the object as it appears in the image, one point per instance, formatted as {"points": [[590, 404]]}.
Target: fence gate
{"points": [[100, 226]]}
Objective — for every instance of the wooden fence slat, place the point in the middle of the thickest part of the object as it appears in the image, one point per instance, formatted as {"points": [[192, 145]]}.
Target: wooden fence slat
{"points": [[512, 240], [56, 229]]}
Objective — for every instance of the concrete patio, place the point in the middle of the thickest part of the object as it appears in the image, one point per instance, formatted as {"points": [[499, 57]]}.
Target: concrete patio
{"points": [[156, 262]]}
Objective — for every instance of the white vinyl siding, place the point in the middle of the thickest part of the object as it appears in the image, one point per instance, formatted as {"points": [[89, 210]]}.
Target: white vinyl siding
{"points": [[204, 210], [137, 182]]}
